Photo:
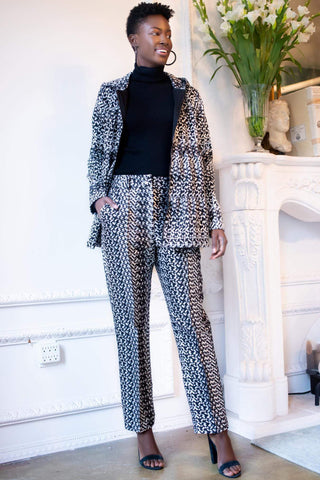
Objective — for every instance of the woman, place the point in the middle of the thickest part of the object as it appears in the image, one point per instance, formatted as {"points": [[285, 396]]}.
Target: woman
{"points": [[152, 195]]}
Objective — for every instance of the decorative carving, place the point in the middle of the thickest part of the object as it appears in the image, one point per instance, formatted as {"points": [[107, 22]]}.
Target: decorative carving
{"points": [[254, 351], [59, 408], [300, 310], [35, 335], [255, 366], [247, 236], [310, 183], [246, 194], [67, 407], [247, 170], [49, 297], [247, 189], [65, 296]]}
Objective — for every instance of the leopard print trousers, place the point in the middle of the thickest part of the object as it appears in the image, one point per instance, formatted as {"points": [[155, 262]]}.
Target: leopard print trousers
{"points": [[131, 246]]}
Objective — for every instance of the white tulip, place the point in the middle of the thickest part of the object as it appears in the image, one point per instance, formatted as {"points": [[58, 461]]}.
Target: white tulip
{"points": [[290, 14], [236, 14], [252, 16], [303, 37], [277, 4], [310, 29], [204, 28], [221, 9], [263, 13], [239, 12], [270, 19], [295, 25], [302, 11], [260, 3], [225, 27], [305, 21]]}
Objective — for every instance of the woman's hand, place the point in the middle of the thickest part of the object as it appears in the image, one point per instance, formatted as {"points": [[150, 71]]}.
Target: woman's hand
{"points": [[219, 243], [102, 201]]}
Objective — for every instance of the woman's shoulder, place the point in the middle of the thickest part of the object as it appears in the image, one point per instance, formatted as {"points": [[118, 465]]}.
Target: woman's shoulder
{"points": [[117, 83], [178, 82], [107, 91], [183, 82]]}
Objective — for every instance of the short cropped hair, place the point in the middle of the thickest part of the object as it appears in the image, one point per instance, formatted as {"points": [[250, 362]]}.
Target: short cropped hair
{"points": [[143, 10]]}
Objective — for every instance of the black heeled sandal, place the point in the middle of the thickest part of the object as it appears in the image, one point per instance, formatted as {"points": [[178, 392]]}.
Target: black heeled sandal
{"points": [[150, 457], [214, 459]]}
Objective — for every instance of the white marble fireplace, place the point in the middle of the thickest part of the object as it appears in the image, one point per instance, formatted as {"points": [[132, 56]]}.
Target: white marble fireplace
{"points": [[254, 187]]}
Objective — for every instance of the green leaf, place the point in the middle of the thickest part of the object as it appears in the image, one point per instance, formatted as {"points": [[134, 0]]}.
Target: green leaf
{"points": [[216, 70]]}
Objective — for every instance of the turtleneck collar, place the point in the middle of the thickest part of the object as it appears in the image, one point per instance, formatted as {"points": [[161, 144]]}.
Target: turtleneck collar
{"points": [[148, 74]]}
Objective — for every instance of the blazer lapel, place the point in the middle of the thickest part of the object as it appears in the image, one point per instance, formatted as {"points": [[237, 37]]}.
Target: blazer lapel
{"points": [[123, 101], [178, 96]]}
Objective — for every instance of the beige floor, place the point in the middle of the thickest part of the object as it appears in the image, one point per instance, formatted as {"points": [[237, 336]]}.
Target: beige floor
{"points": [[186, 454]]}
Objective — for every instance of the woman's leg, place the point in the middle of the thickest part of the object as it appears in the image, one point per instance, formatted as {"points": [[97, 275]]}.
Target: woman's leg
{"points": [[128, 257], [180, 276], [179, 270], [128, 270]]}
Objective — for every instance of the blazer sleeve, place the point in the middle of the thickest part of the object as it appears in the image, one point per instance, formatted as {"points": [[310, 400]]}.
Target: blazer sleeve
{"points": [[97, 186], [215, 213]]}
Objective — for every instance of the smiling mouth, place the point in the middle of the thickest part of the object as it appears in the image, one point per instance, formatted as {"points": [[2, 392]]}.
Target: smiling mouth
{"points": [[162, 51]]}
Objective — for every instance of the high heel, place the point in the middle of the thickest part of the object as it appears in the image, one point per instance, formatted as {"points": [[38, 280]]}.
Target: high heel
{"points": [[213, 450], [214, 459]]}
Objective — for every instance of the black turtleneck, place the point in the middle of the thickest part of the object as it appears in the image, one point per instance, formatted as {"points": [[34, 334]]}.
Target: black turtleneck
{"points": [[147, 131]]}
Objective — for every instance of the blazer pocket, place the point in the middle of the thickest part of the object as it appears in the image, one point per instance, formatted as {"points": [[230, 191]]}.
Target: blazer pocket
{"points": [[102, 209], [106, 210]]}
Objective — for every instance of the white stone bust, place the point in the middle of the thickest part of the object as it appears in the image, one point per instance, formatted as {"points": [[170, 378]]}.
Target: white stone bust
{"points": [[278, 125]]}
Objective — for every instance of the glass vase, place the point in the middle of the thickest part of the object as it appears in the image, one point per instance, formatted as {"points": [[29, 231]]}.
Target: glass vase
{"points": [[256, 107]]}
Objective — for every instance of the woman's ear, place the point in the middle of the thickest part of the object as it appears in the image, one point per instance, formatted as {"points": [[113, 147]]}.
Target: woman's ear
{"points": [[133, 40]]}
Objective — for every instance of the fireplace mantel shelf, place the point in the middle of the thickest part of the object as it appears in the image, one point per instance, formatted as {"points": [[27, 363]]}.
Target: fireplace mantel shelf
{"points": [[270, 158], [254, 187]]}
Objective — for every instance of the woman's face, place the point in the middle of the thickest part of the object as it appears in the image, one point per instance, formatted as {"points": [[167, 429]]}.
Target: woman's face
{"points": [[153, 40]]}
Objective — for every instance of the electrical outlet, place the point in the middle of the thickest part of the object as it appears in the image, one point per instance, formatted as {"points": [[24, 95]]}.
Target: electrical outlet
{"points": [[48, 352]]}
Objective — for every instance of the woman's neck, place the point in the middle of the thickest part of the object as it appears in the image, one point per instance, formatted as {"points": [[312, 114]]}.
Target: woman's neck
{"points": [[148, 74]]}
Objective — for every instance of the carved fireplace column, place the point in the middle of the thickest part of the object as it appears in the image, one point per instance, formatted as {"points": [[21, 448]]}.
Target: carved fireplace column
{"points": [[253, 188]]}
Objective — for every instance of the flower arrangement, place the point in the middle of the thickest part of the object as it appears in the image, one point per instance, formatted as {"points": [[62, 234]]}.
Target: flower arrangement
{"points": [[262, 33]]}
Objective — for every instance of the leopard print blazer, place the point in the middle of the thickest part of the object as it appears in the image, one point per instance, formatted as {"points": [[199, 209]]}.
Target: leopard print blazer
{"points": [[193, 210]]}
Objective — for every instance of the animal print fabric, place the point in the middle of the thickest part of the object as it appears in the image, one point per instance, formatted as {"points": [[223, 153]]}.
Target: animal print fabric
{"points": [[131, 245], [193, 209]]}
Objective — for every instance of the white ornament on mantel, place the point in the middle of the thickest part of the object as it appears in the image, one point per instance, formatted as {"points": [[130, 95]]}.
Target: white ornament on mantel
{"points": [[278, 125], [253, 189]]}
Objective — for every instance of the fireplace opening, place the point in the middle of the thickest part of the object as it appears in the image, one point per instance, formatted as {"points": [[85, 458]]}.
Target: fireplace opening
{"points": [[300, 289]]}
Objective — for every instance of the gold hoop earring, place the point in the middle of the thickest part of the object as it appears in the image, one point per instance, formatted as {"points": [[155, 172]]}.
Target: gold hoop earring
{"points": [[175, 58]]}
